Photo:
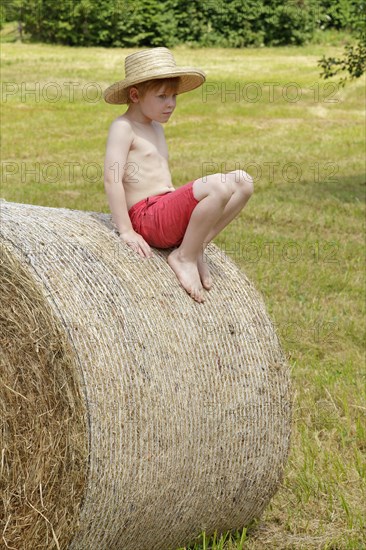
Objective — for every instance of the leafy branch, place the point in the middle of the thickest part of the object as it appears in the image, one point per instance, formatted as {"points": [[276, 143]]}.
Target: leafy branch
{"points": [[353, 62]]}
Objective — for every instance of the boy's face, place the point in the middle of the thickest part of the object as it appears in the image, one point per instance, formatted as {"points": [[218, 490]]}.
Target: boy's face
{"points": [[158, 104]]}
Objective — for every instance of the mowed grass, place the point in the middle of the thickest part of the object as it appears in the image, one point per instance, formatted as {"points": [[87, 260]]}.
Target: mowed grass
{"points": [[300, 239]]}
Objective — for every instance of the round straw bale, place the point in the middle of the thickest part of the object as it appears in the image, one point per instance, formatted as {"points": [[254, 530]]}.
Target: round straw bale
{"points": [[134, 417]]}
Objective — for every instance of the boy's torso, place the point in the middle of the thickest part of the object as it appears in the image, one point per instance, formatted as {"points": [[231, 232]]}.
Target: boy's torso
{"points": [[147, 171]]}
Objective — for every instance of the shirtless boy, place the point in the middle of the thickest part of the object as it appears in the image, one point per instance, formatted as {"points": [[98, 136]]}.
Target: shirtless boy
{"points": [[146, 208]]}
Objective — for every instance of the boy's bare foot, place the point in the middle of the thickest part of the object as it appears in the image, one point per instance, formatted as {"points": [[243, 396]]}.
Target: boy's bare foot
{"points": [[204, 272], [188, 276]]}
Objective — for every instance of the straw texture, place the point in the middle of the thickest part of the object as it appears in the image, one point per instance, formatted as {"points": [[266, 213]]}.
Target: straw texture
{"points": [[44, 437], [187, 405]]}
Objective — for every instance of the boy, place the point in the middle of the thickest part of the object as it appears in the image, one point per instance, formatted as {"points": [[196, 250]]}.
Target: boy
{"points": [[146, 208]]}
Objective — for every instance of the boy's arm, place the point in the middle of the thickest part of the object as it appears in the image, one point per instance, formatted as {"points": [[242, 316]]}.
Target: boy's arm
{"points": [[118, 145]]}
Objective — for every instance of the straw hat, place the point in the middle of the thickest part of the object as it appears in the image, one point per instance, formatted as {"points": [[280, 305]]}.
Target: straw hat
{"points": [[151, 65]]}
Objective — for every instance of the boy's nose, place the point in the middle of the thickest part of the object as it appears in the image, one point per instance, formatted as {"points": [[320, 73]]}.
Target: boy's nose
{"points": [[171, 101]]}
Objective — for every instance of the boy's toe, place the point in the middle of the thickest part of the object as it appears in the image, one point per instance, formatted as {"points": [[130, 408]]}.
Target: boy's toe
{"points": [[198, 295]]}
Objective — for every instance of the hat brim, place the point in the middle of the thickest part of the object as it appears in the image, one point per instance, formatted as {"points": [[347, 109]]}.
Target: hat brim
{"points": [[190, 79]]}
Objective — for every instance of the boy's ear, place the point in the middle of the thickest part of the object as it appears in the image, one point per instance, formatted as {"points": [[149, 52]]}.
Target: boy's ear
{"points": [[134, 94]]}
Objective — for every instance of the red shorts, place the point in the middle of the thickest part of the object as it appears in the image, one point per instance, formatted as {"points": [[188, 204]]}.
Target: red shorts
{"points": [[162, 219]]}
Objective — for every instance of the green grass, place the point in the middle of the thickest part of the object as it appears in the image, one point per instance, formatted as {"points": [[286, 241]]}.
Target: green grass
{"points": [[300, 239]]}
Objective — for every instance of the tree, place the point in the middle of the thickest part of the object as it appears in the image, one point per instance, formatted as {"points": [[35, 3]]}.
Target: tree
{"points": [[353, 60]]}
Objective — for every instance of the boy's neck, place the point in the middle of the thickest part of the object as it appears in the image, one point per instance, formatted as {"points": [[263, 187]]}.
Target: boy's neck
{"points": [[135, 115]]}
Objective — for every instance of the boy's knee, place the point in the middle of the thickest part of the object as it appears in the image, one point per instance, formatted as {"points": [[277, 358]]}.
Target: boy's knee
{"points": [[244, 183], [221, 187]]}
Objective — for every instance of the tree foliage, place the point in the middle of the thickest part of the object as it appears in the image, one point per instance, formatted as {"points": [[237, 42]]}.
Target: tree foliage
{"points": [[146, 23], [126, 23], [352, 64]]}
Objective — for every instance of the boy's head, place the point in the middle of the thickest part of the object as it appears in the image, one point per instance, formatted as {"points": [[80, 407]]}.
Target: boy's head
{"points": [[170, 85], [145, 68]]}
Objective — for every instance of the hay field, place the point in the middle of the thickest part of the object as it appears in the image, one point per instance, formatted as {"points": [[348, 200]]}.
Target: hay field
{"points": [[300, 240]]}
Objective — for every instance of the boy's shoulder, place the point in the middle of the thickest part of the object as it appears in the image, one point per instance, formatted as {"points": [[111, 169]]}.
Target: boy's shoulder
{"points": [[122, 122], [121, 129]]}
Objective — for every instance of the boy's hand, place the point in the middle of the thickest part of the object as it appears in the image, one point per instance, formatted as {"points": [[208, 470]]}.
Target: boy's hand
{"points": [[137, 243]]}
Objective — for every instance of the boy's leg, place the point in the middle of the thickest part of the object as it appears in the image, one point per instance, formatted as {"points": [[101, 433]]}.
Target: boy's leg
{"points": [[221, 198], [243, 190]]}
